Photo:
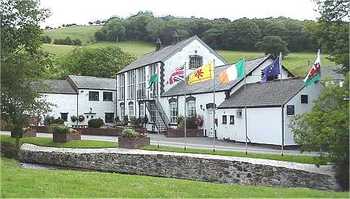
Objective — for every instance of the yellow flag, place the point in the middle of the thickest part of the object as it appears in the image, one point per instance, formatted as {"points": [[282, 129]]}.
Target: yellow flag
{"points": [[201, 74]]}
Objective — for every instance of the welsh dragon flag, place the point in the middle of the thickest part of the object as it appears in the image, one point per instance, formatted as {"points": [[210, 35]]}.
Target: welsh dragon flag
{"points": [[314, 74]]}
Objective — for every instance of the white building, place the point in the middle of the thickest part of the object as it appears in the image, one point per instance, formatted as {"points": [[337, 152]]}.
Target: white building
{"points": [[164, 102], [84, 96]]}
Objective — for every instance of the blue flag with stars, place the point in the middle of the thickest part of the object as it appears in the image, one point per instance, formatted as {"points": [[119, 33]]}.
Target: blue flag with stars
{"points": [[272, 70]]}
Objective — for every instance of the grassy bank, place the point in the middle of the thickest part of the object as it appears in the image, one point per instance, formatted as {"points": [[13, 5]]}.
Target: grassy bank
{"points": [[20, 182], [104, 144]]}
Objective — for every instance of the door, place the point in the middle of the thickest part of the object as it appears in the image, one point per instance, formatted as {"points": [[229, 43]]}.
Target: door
{"points": [[209, 122]]}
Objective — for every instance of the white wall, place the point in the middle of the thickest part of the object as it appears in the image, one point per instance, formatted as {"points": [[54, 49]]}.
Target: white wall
{"points": [[64, 103], [313, 93], [99, 107], [182, 56], [264, 125]]}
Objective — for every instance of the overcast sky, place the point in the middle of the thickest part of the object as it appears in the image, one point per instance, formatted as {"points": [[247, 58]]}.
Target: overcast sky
{"points": [[83, 11]]}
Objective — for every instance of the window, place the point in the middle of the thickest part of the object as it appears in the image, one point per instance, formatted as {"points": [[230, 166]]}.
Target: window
{"points": [[224, 119], [191, 106], [131, 109], [141, 87], [290, 109], [121, 84], [173, 110], [304, 99], [109, 117], [122, 111], [195, 61], [131, 84], [107, 96], [142, 109], [239, 113], [93, 96], [232, 119], [154, 88], [64, 116]]}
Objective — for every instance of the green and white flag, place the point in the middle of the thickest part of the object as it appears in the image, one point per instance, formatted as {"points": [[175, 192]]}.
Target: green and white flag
{"points": [[233, 72], [314, 74], [153, 80]]}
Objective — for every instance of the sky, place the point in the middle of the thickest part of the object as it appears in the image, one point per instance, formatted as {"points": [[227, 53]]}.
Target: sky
{"points": [[83, 11]]}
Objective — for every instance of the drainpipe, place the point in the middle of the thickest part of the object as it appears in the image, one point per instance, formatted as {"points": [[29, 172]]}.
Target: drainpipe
{"points": [[282, 145]]}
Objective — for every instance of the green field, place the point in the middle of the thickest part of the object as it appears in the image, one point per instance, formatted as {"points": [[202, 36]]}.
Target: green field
{"points": [[17, 182], [298, 63], [85, 33]]}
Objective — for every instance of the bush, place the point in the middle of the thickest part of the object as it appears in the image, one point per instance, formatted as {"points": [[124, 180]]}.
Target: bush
{"points": [[55, 128], [46, 39], [58, 121], [133, 121], [126, 120], [191, 123], [180, 121], [48, 120], [73, 118], [130, 133], [95, 123], [81, 118], [67, 41]]}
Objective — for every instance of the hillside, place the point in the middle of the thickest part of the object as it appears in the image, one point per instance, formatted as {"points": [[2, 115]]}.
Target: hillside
{"points": [[297, 63]]}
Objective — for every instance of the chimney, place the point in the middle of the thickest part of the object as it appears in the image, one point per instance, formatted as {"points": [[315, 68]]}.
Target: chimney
{"points": [[158, 44]]}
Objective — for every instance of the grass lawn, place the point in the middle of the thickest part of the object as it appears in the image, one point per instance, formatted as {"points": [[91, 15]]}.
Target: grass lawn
{"points": [[48, 142], [20, 182], [85, 33], [104, 144]]}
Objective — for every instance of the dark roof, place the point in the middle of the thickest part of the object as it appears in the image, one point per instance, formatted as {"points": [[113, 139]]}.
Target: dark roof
{"points": [[164, 53], [272, 93], [54, 86], [332, 72], [89, 82], [207, 86]]}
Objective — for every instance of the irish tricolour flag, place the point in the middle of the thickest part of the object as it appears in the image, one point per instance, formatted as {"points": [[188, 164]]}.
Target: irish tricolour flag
{"points": [[233, 72], [314, 74]]}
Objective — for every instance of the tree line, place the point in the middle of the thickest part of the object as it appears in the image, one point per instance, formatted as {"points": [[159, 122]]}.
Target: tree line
{"points": [[240, 34]]}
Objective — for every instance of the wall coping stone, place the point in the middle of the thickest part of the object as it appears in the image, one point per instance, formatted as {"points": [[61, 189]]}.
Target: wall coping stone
{"points": [[322, 169]]}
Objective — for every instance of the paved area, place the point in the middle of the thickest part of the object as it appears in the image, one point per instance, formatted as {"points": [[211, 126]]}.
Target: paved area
{"points": [[194, 142]]}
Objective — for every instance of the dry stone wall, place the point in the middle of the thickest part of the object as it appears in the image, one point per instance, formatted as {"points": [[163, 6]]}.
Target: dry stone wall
{"points": [[211, 168]]}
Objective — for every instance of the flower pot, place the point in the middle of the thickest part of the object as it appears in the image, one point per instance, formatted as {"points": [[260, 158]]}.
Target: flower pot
{"points": [[133, 143]]}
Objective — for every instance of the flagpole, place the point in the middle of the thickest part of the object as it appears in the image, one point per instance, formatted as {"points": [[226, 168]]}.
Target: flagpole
{"points": [[282, 107], [185, 130], [214, 105], [245, 112]]}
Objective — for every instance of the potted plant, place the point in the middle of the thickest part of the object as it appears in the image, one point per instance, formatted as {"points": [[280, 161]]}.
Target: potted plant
{"points": [[95, 123], [132, 139], [74, 118], [63, 133]]}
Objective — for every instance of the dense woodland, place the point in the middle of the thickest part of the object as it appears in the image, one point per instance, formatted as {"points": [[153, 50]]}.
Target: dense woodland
{"points": [[240, 34]]}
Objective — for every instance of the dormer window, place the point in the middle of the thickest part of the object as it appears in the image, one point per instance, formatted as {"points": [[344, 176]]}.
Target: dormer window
{"points": [[196, 61]]}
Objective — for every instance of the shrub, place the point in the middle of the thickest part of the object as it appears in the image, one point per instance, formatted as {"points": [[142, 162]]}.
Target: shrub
{"points": [[81, 118], [73, 118], [46, 39], [55, 128], [126, 120], [58, 121], [180, 121], [133, 121], [95, 123], [199, 121], [130, 133], [191, 123], [48, 120]]}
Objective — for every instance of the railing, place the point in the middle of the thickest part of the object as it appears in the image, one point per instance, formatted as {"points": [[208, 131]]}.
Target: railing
{"points": [[162, 113]]}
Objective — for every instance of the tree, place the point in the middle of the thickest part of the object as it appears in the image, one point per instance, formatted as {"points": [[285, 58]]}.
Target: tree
{"points": [[273, 45], [22, 62], [326, 127], [334, 34], [99, 62]]}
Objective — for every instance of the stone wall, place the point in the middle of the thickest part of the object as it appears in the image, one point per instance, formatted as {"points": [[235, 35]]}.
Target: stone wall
{"points": [[212, 168]]}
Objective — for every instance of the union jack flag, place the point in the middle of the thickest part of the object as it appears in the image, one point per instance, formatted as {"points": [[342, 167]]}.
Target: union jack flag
{"points": [[177, 75]]}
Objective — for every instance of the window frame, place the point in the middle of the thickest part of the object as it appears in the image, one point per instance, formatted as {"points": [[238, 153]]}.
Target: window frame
{"points": [[131, 109], [131, 84], [141, 85], [290, 110], [195, 61], [173, 108], [232, 119], [92, 98], [64, 118], [304, 99], [121, 85], [112, 119], [111, 96], [224, 119], [191, 108], [122, 110]]}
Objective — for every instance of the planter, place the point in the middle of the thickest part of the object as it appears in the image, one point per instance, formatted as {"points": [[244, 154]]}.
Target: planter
{"points": [[133, 143], [28, 132], [180, 132], [66, 137]]}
